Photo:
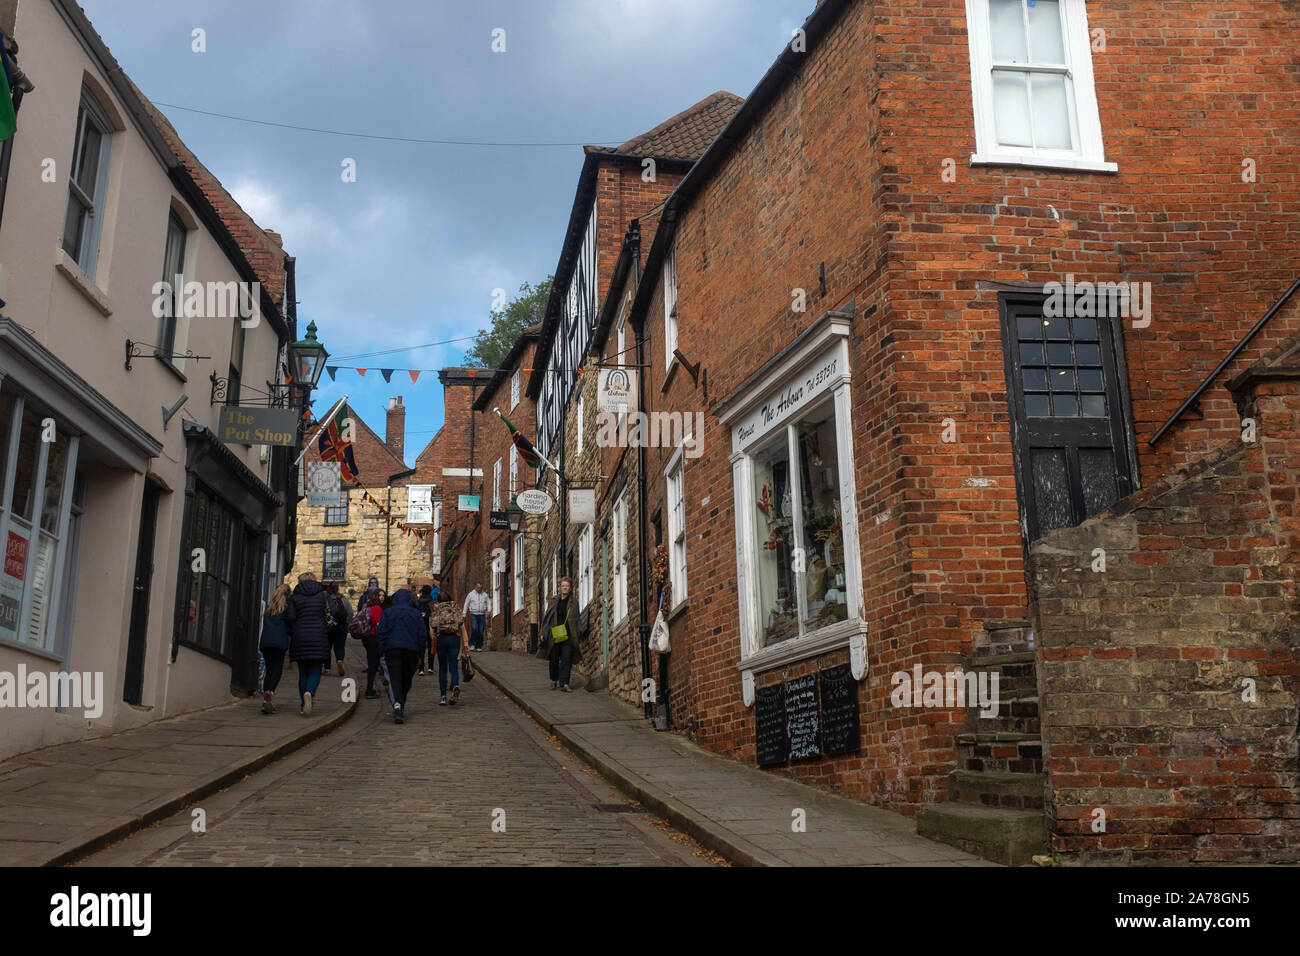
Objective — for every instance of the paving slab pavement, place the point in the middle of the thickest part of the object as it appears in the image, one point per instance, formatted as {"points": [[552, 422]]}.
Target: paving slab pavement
{"points": [[60, 803], [741, 812]]}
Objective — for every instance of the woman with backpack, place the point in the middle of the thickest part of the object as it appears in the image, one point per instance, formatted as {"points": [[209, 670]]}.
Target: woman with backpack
{"points": [[372, 611], [274, 643], [447, 629], [341, 612], [306, 614]]}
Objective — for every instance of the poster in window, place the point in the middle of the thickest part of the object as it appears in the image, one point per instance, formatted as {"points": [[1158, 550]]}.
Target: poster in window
{"points": [[11, 581]]}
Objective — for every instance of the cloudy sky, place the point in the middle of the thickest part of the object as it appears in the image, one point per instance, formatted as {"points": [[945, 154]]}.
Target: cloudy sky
{"points": [[411, 252]]}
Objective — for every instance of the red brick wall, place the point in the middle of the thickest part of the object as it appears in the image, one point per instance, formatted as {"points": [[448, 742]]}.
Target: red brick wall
{"points": [[845, 168], [1155, 747]]}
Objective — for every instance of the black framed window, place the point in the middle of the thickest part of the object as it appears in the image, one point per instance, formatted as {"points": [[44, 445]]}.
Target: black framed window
{"points": [[336, 515], [218, 531], [335, 565], [1071, 418]]}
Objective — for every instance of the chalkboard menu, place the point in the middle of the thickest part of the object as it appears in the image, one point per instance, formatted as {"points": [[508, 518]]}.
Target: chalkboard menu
{"points": [[839, 693], [801, 717], [773, 745]]}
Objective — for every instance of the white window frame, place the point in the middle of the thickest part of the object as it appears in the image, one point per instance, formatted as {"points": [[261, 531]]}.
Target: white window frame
{"points": [[586, 560], [514, 471], [1085, 120], [620, 554], [496, 486], [555, 574], [437, 537], [580, 423], [519, 571], [676, 494], [820, 365], [670, 306], [89, 111], [496, 587], [514, 389]]}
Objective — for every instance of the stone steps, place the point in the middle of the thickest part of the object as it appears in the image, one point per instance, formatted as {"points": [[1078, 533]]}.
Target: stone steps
{"points": [[1009, 837], [1010, 791]]}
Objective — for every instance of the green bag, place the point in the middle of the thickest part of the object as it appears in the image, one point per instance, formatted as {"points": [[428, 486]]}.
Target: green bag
{"points": [[559, 634]]}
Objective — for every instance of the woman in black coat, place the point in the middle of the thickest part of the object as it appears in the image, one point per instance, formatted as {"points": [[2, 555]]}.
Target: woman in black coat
{"points": [[309, 645]]}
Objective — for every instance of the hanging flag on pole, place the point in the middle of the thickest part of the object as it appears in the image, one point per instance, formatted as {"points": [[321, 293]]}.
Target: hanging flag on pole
{"points": [[527, 451], [329, 416], [333, 446]]}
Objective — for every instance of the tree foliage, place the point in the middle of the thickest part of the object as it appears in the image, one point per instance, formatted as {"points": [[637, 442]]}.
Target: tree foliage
{"points": [[493, 344]]}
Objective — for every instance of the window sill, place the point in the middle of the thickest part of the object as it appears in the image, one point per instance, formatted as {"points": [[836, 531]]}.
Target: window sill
{"points": [[677, 609], [82, 282], [830, 638], [1061, 163], [34, 651]]}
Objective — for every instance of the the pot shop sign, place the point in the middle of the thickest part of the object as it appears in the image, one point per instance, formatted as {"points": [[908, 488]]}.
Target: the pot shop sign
{"points": [[258, 426]]}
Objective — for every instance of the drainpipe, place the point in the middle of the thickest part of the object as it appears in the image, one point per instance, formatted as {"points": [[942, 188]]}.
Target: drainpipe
{"points": [[638, 328]]}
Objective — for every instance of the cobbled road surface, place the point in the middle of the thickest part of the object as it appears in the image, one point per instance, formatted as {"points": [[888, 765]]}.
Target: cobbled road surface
{"points": [[475, 784]]}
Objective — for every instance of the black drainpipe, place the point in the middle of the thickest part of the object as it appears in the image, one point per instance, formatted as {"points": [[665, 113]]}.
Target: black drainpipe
{"points": [[638, 327]]}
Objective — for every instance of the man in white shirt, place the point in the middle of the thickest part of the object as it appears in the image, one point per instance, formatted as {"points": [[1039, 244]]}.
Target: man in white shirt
{"points": [[476, 608]]}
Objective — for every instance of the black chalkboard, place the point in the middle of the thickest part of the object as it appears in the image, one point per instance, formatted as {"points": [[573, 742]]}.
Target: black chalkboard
{"points": [[773, 746], [839, 692], [801, 717]]}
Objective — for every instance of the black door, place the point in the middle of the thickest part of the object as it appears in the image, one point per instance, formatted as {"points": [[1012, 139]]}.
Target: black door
{"points": [[1070, 419], [133, 688]]}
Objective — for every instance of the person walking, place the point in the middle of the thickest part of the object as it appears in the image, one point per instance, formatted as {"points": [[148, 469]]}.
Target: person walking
{"points": [[447, 629], [400, 634], [274, 643], [341, 611], [477, 605], [423, 604], [373, 611], [309, 645], [562, 634]]}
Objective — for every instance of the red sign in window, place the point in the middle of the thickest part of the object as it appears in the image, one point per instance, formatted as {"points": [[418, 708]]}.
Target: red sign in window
{"points": [[16, 556]]}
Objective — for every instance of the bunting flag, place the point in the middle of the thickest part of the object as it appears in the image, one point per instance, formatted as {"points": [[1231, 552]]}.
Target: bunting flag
{"points": [[414, 373], [331, 369], [333, 448], [387, 373], [361, 372]]}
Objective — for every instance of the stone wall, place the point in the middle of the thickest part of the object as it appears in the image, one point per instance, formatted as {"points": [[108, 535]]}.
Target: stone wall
{"points": [[1167, 675]]}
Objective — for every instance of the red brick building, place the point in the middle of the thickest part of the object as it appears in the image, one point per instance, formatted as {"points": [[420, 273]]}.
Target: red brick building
{"points": [[939, 290]]}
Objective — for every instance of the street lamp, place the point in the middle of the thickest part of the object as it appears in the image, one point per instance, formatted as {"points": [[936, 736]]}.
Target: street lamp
{"points": [[514, 514], [307, 360]]}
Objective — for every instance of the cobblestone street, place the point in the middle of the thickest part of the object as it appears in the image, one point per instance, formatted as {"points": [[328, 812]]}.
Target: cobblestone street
{"points": [[424, 793]]}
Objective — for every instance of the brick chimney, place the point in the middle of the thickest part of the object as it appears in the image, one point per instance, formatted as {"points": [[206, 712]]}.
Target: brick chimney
{"points": [[395, 427]]}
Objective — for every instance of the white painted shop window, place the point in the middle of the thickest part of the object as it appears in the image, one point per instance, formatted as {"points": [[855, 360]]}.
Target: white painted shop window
{"points": [[670, 306], [496, 486], [519, 571], [586, 560], [676, 525], [1032, 85], [797, 558], [620, 557], [496, 588], [514, 389], [87, 185]]}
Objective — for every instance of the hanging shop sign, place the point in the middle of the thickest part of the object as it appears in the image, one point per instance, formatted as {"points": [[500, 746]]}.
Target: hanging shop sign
{"points": [[534, 501], [498, 521], [258, 426], [582, 505], [616, 390], [467, 503], [419, 504], [324, 485]]}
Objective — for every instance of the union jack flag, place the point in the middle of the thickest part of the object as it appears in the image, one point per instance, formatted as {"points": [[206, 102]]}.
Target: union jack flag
{"points": [[333, 448]]}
